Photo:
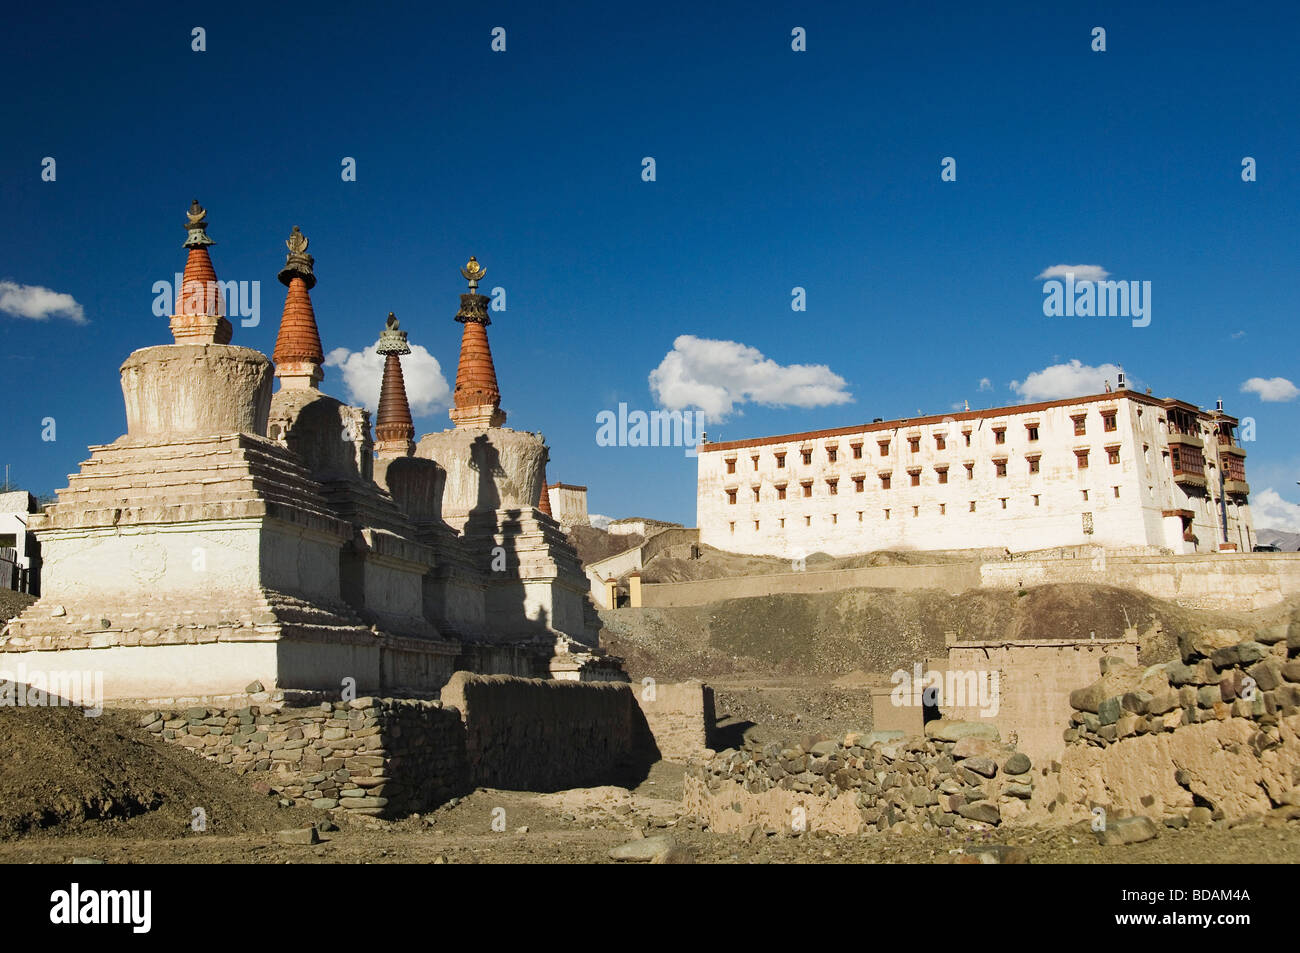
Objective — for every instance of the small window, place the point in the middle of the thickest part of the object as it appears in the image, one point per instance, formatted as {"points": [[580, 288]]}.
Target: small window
{"points": [[1112, 454], [939, 442], [781, 522], [884, 480], [807, 456], [1033, 432], [835, 517], [731, 497], [1001, 467], [1116, 489], [943, 474], [886, 514], [780, 491], [731, 464], [914, 443], [1003, 500], [916, 511], [1082, 457], [859, 484], [943, 509], [1080, 425], [807, 521], [755, 459], [970, 471], [732, 527], [1085, 495], [807, 488], [972, 506], [916, 477], [1108, 422], [831, 454], [1035, 499], [755, 489], [833, 487], [999, 434], [1033, 464], [966, 434], [857, 451], [755, 526], [780, 461], [884, 447], [859, 516]]}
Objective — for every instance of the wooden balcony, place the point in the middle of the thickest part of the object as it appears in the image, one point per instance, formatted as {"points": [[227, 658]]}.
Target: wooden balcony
{"points": [[1186, 440]]}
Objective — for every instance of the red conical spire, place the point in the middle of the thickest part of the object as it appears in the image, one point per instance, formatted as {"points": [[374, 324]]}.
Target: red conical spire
{"points": [[544, 504], [199, 317], [298, 356], [477, 399], [394, 429]]}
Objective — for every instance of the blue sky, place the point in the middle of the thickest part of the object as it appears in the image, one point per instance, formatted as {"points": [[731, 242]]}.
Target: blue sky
{"points": [[774, 169]]}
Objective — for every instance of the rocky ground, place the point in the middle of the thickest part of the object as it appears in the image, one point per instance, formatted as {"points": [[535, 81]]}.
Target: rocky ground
{"points": [[585, 826]]}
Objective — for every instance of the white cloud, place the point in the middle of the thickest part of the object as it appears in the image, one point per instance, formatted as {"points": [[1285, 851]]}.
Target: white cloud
{"points": [[39, 304], [985, 384], [363, 372], [1270, 511], [598, 521], [1271, 389], [1074, 379], [716, 376], [1081, 272]]}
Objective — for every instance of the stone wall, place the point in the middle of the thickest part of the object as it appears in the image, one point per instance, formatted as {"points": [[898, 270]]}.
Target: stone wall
{"points": [[680, 716], [951, 577], [959, 776], [1217, 731], [547, 735], [369, 755], [1238, 581]]}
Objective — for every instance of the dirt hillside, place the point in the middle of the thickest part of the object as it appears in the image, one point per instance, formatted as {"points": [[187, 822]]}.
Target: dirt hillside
{"points": [[63, 772]]}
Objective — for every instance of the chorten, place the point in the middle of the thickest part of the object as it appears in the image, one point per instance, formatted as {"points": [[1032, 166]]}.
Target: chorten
{"points": [[494, 485], [394, 430], [193, 556], [477, 399], [199, 317], [298, 356]]}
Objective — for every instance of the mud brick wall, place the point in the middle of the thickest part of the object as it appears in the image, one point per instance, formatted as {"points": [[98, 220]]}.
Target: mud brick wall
{"points": [[680, 715], [960, 777], [547, 735], [375, 756]]}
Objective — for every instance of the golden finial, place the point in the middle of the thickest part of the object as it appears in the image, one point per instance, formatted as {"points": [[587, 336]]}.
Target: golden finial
{"points": [[473, 272], [297, 241]]}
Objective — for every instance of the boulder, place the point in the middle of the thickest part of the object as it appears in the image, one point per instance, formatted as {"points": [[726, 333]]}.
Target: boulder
{"points": [[1127, 830], [944, 729]]}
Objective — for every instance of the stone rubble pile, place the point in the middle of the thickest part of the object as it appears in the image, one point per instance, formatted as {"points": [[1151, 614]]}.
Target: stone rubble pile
{"points": [[1219, 676], [959, 776]]}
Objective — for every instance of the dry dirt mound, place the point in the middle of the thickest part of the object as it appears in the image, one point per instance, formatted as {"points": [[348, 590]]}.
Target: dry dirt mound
{"points": [[62, 772], [12, 603], [595, 544], [880, 630]]}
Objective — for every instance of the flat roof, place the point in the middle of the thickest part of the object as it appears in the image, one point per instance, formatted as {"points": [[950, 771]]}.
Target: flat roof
{"points": [[959, 416]]}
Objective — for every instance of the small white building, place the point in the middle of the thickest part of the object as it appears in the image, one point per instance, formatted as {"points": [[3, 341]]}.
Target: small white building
{"points": [[568, 504], [1119, 469], [19, 551]]}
